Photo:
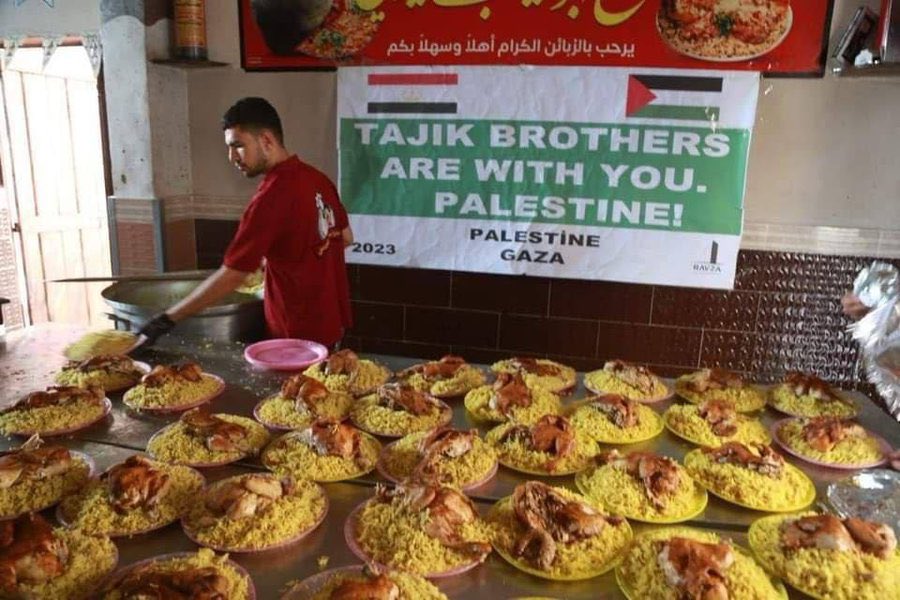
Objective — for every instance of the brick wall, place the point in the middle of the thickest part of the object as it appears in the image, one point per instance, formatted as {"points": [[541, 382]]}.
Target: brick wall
{"points": [[784, 313]]}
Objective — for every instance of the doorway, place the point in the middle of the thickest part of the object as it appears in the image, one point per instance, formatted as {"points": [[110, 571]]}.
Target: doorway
{"points": [[51, 154]]}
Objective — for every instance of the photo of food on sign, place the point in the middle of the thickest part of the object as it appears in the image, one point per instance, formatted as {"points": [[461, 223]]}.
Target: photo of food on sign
{"points": [[785, 37]]}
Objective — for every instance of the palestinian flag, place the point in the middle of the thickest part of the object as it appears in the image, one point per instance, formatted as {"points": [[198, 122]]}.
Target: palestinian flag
{"points": [[673, 97], [412, 93]]}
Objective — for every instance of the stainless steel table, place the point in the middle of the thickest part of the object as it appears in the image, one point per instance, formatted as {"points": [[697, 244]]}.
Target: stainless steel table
{"points": [[30, 359]]}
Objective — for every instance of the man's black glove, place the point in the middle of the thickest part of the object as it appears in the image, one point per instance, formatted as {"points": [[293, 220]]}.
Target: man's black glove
{"points": [[155, 327]]}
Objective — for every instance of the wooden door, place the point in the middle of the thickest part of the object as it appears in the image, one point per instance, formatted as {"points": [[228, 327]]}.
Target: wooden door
{"points": [[51, 140]]}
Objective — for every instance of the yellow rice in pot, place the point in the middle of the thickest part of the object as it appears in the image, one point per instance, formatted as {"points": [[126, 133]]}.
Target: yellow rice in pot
{"points": [[746, 399], [599, 427], [551, 383], [394, 535], [369, 377], [238, 585], [90, 559], [30, 494], [282, 520], [581, 559], [478, 403], [782, 398], [411, 587], [282, 412], [400, 459], [466, 378], [47, 419], [640, 576], [684, 420], [619, 493], [90, 509], [822, 573], [288, 456], [174, 444], [791, 491], [172, 394], [516, 455], [605, 382], [369, 416], [849, 451]]}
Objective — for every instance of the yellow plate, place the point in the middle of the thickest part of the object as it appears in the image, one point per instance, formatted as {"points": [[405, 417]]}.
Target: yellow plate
{"points": [[525, 568], [697, 509], [808, 498], [666, 418], [695, 398], [631, 594], [611, 440]]}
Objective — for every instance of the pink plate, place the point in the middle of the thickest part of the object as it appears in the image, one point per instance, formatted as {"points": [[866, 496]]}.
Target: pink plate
{"points": [[296, 538], [670, 393], [285, 354], [107, 407], [356, 548], [885, 448], [191, 464], [183, 407], [121, 573], [92, 472], [66, 523], [382, 470]]}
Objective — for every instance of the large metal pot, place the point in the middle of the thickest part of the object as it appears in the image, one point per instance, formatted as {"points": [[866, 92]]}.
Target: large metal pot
{"points": [[237, 317]]}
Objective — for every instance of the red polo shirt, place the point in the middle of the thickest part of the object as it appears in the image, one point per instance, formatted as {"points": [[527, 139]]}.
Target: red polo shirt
{"points": [[294, 221]]}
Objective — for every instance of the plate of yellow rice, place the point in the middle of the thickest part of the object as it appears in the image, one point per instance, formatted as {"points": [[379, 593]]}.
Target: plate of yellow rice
{"points": [[576, 560], [281, 414], [175, 444], [621, 492], [684, 420], [518, 456], [640, 574], [284, 521], [110, 380], [824, 573], [467, 377], [237, 584], [321, 586], [368, 377], [392, 535], [289, 456], [792, 490], [49, 421], [603, 381], [89, 561], [91, 511], [478, 403], [399, 460], [746, 399], [174, 396], [783, 399], [94, 343], [601, 426], [540, 373], [370, 416], [29, 494], [863, 451]]}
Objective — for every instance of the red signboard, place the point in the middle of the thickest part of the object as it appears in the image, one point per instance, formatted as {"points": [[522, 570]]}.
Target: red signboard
{"points": [[786, 37]]}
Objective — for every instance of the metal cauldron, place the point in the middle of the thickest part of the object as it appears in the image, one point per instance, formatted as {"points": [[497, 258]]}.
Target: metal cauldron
{"points": [[237, 317]]}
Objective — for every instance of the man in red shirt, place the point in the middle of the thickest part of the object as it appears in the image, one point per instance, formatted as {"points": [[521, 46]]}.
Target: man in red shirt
{"points": [[294, 221]]}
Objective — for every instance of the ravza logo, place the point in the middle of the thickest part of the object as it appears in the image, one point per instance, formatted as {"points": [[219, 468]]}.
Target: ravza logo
{"points": [[712, 266]]}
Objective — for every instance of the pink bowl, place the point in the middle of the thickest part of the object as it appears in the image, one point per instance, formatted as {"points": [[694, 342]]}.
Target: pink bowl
{"points": [[776, 435], [121, 573], [359, 552], [295, 538], [284, 354]]}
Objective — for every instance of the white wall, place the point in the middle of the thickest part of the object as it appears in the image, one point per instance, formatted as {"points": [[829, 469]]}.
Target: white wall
{"points": [[36, 18]]}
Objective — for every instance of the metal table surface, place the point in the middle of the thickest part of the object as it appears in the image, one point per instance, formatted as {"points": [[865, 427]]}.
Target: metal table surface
{"points": [[29, 360]]}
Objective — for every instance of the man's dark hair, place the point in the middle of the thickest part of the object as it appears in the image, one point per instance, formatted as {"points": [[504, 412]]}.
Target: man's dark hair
{"points": [[254, 114]]}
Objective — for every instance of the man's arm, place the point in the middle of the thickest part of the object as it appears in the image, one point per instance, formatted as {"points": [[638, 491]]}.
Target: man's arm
{"points": [[347, 236], [218, 285]]}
